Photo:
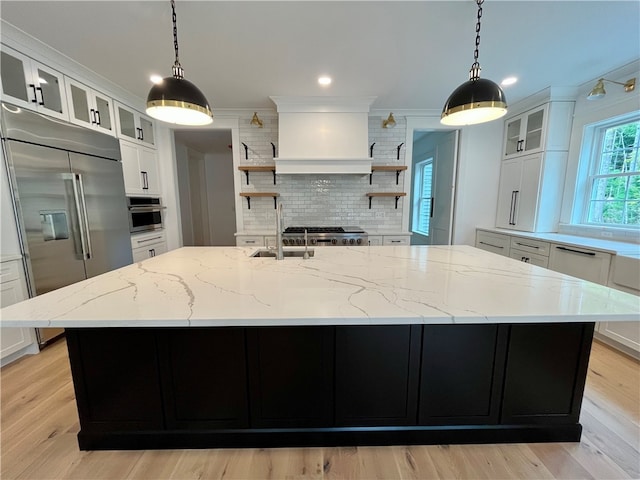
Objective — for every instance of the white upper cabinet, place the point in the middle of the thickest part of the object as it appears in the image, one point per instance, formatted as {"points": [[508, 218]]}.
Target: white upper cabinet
{"points": [[140, 169], [89, 108], [543, 128], [31, 85], [134, 126]]}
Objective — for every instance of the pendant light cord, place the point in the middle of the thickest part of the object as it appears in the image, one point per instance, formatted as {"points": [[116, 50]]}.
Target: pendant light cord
{"points": [[178, 71], [474, 73]]}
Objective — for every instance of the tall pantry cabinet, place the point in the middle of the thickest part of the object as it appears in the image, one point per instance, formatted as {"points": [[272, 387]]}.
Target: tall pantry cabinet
{"points": [[532, 173]]}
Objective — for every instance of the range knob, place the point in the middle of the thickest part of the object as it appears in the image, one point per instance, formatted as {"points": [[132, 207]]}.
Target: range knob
{"points": [[333, 241], [359, 241], [285, 241], [351, 241], [299, 241], [313, 241], [344, 241]]}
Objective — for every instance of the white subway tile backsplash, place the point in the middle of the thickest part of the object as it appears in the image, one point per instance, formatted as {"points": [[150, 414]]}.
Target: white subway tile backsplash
{"points": [[329, 200]]}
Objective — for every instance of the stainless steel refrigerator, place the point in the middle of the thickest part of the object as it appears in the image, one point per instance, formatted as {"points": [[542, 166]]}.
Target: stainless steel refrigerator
{"points": [[70, 204]]}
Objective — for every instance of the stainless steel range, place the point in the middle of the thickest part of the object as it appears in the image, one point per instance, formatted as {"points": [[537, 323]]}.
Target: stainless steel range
{"points": [[325, 236]]}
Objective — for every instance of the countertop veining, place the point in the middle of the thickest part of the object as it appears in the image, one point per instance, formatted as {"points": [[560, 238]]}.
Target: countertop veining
{"points": [[225, 286]]}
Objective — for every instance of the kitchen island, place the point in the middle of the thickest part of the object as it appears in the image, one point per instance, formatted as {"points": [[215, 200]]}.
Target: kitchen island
{"points": [[211, 347]]}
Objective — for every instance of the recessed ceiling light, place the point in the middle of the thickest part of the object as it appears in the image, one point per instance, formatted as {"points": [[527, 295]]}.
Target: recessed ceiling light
{"points": [[157, 79], [509, 81], [324, 80]]}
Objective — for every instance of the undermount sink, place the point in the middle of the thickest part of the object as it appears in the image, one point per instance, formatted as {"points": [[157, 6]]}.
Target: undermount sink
{"points": [[287, 253]]}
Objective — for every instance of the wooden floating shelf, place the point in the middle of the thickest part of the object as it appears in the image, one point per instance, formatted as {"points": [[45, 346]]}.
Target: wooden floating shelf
{"points": [[248, 196], [258, 168], [397, 196], [387, 168]]}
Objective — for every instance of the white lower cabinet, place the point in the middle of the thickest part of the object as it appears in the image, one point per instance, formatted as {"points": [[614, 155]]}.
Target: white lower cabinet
{"points": [[580, 262], [493, 242], [251, 241], [532, 258], [396, 240], [147, 245], [625, 276], [375, 239], [14, 342]]}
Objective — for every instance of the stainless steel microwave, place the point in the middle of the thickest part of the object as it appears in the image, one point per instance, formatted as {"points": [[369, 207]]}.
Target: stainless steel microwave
{"points": [[145, 214]]}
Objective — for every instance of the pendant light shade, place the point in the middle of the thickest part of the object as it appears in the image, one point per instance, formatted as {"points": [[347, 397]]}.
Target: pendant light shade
{"points": [[478, 100], [176, 100], [475, 101]]}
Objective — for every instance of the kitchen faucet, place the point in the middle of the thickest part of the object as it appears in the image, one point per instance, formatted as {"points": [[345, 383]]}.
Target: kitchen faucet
{"points": [[279, 230]]}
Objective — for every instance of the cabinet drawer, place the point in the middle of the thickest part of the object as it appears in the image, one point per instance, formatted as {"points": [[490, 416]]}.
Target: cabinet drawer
{"points": [[250, 241], [493, 242], [395, 240], [530, 246], [375, 239], [9, 271], [527, 257], [579, 262], [147, 239]]}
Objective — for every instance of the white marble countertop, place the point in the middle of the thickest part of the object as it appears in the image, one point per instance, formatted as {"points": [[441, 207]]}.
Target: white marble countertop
{"points": [[225, 286], [607, 246]]}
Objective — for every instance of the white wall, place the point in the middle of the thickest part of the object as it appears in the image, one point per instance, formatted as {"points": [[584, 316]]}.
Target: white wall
{"points": [[616, 103]]}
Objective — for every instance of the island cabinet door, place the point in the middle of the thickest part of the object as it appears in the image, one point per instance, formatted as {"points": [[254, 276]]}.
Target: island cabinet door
{"points": [[291, 376], [204, 378], [546, 372], [461, 374], [116, 381], [377, 370]]}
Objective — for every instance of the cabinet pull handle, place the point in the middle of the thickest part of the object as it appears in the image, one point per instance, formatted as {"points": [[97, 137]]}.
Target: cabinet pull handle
{"points": [[249, 241], [149, 239], [431, 209], [511, 208], [152, 252], [92, 115], [97, 117], [525, 259], [41, 102], [591, 254], [490, 244], [396, 241], [515, 206], [519, 148], [145, 180], [526, 245], [35, 95]]}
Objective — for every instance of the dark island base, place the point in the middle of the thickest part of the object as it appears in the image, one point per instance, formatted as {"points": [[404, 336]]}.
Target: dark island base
{"points": [[262, 387], [328, 437]]}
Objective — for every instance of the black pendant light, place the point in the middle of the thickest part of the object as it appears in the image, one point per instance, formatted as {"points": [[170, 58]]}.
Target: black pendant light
{"points": [[477, 100], [176, 100]]}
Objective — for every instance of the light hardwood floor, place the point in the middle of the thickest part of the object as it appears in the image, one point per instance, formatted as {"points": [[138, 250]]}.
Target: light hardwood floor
{"points": [[39, 424]]}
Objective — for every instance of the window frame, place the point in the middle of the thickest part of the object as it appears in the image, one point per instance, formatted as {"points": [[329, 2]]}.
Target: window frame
{"points": [[418, 199], [593, 139]]}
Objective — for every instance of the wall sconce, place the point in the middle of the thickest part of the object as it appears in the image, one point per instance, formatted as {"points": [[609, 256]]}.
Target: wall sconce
{"points": [[256, 121], [598, 91], [389, 122]]}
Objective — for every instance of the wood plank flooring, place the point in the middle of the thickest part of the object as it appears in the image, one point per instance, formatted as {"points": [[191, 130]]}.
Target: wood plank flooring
{"points": [[39, 423]]}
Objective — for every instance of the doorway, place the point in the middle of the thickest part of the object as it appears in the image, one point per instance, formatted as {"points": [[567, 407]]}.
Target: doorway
{"points": [[434, 164], [204, 162]]}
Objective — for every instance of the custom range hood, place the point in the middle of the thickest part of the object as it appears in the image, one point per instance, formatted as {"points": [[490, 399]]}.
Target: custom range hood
{"points": [[323, 135]]}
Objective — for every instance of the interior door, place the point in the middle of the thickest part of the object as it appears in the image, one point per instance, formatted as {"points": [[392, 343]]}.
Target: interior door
{"points": [[45, 199], [444, 175], [104, 212]]}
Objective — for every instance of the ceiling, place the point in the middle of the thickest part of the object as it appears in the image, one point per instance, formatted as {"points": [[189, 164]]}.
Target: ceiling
{"points": [[411, 55]]}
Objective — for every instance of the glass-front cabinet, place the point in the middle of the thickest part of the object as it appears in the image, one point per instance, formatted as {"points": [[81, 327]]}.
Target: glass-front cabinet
{"points": [[524, 133], [89, 108], [134, 126], [32, 85]]}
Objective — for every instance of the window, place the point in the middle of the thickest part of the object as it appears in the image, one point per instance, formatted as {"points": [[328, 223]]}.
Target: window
{"points": [[422, 201], [613, 185]]}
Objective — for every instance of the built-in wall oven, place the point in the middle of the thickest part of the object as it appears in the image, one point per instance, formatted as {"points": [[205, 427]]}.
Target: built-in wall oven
{"points": [[145, 214]]}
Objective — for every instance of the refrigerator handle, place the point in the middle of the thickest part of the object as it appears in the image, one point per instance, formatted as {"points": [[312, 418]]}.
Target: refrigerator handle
{"points": [[76, 198], [85, 217]]}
